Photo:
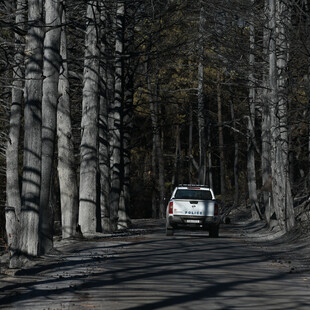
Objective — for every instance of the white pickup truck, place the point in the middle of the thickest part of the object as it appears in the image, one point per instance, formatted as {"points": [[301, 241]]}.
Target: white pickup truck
{"points": [[194, 207]]}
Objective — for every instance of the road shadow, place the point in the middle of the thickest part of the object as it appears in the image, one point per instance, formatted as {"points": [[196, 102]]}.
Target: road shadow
{"points": [[158, 271]]}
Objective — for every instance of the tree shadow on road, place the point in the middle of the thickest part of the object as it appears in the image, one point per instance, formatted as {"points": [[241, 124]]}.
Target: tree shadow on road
{"points": [[156, 272]]}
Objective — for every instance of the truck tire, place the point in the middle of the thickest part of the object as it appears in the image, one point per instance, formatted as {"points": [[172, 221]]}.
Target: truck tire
{"points": [[214, 231]]}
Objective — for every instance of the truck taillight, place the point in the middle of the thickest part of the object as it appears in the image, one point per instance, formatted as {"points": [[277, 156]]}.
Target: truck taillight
{"points": [[216, 209], [171, 207]]}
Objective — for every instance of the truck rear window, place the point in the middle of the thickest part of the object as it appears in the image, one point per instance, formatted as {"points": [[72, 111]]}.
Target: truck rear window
{"points": [[193, 194]]}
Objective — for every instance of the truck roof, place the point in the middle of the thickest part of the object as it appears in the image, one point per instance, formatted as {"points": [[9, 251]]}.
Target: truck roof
{"points": [[194, 186]]}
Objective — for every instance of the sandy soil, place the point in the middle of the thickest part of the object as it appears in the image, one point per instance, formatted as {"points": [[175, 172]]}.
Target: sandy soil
{"points": [[291, 250]]}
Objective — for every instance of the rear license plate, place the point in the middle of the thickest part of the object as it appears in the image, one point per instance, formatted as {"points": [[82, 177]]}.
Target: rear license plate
{"points": [[193, 221]]}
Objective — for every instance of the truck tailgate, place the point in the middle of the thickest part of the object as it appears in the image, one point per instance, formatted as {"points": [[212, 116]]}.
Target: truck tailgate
{"points": [[193, 207]]}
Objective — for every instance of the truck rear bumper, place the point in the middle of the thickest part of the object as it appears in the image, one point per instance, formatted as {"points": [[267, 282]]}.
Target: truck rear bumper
{"points": [[202, 222]]}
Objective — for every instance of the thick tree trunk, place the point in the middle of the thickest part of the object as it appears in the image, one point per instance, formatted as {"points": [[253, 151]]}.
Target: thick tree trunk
{"points": [[89, 125], [265, 127], [108, 10], [281, 191], [66, 164], [103, 155], [51, 67], [307, 87], [265, 157], [116, 112], [13, 195], [284, 17], [29, 238], [104, 158], [104, 165], [124, 219]]}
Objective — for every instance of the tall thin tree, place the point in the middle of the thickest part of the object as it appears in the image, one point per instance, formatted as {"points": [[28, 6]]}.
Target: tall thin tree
{"points": [[116, 113], [265, 123], [89, 124], [31, 185], [200, 97], [281, 191], [220, 133], [13, 195], [51, 65], [103, 156], [251, 122], [66, 164]]}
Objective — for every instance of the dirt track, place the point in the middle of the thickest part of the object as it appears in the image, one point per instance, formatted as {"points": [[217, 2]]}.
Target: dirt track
{"points": [[144, 269]]}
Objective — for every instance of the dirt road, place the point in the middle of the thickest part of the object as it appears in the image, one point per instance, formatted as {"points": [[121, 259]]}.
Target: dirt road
{"points": [[147, 270]]}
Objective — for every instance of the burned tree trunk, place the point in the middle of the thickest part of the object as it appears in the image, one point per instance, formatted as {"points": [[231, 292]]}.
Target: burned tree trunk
{"points": [[89, 125], [31, 186], [51, 67], [13, 195], [66, 164]]}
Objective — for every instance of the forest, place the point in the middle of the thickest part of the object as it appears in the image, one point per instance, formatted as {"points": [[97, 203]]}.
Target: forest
{"points": [[107, 105]]}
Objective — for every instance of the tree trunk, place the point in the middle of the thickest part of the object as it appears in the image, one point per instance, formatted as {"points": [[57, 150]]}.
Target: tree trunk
{"points": [[281, 192], [13, 195], [251, 173], [251, 126], [190, 144], [66, 163], [176, 168], [103, 156], [236, 155], [155, 137], [89, 126], [210, 169], [158, 207], [104, 164], [116, 110], [265, 127], [105, 114], [159, 149], [221, 138], [124, 219], [51, 67], [200, 97], [284, 16], [161, 178], [29, 239]]}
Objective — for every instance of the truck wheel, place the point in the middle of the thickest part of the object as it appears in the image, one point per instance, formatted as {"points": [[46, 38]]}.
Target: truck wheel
{"points": [[214, 231], [169, 232]]}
